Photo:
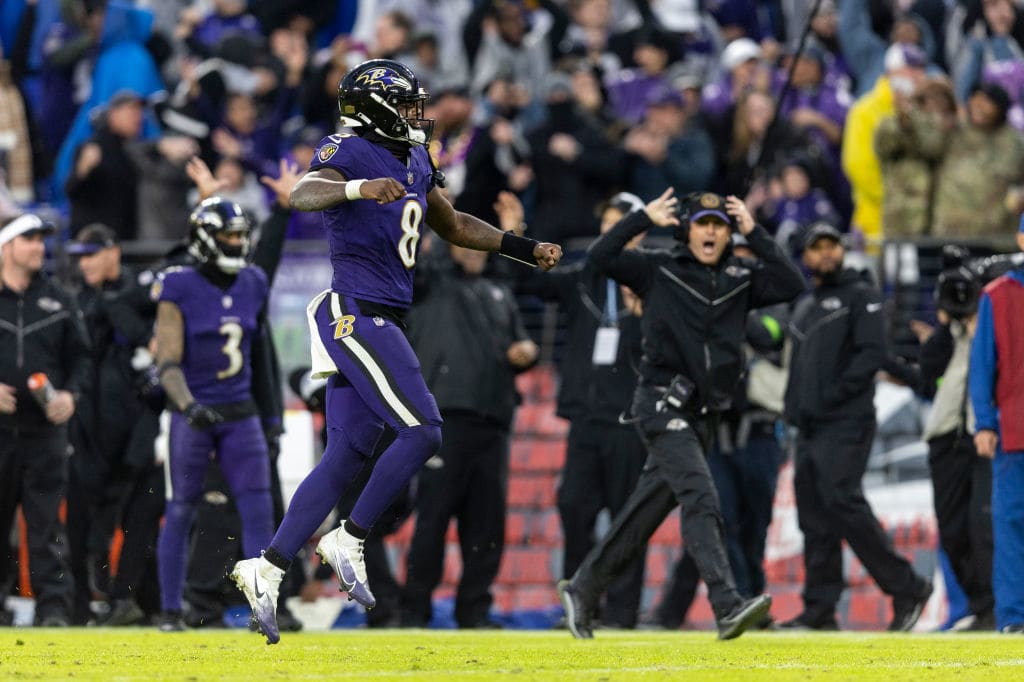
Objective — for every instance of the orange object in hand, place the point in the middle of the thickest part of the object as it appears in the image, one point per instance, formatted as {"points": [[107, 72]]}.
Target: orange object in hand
{"points": [[41, 388]]}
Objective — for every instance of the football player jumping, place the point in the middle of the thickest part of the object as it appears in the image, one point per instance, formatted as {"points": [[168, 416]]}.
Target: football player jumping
{"points": [[375, 185]]}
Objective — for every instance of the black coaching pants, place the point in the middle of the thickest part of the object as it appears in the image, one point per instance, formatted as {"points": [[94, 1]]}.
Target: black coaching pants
{"points": [[676, 474], [962, 485], [603, 462], [830, 463], [467, 479], [34, 474]]}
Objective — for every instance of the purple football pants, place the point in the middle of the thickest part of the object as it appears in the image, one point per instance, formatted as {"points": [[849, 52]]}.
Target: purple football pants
{"points": [[374, 380], [240, 449]]}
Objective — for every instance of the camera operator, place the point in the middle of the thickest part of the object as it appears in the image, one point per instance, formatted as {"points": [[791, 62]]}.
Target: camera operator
{"points": [[962, 481], [696, 298]]}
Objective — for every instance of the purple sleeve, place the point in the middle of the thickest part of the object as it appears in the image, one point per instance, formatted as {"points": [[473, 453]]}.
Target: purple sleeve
{"points": [[334, 151], [169, 286]]}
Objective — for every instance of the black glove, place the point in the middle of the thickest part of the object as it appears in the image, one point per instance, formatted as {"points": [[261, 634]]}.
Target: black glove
{"points": [[201, 417]]}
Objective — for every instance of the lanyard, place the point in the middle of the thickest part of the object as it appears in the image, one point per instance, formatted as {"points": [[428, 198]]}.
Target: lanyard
{"points": [[611, 308]]}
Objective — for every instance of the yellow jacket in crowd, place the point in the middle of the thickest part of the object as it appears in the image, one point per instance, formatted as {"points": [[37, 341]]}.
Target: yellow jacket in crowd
{"points": [[860, 163]]}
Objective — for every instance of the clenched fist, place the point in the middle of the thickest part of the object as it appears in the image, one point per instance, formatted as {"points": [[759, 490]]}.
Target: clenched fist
{"points": [[382, 190], [547, 255]]}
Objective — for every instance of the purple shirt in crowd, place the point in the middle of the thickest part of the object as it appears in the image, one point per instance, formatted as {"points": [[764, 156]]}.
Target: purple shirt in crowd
{"points": [[628, 94], [215, 28]]}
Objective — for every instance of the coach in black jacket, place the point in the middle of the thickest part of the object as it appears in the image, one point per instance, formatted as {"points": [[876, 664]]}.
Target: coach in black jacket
{"points": [[41, 331], [838, 345], [696, 299]]}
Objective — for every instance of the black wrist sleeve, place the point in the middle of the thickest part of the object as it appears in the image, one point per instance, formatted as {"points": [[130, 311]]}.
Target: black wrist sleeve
{"points": [[518, 248]]}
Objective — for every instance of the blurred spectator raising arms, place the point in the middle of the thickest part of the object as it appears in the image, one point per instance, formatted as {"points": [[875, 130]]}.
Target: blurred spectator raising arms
{"points": [[910, 145], [102, 185], [669, 148], [978, 194]]}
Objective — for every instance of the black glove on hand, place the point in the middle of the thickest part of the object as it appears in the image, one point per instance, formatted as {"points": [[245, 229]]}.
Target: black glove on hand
{"points": [[201, 417]]}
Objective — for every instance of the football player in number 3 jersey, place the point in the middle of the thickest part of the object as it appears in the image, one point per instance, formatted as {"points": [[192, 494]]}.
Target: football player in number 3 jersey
{"points": [[376, 187], [207, 316]]}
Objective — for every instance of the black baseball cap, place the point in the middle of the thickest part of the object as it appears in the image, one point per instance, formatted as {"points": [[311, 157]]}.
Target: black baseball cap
{"points": [[821, 230], [92, 238], [705, 204]]}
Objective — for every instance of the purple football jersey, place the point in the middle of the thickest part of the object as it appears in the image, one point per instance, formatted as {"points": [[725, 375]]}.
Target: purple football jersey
{"points": [[374, 246], [219, 328]]}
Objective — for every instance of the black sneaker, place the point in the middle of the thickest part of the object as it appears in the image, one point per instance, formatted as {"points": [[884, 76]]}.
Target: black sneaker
{"points": [[907, 609], [747, 614], [170, 621], [205, 620], [54, 620], [806, 621], [1015, 629], [124, 612], [577, 613], [287, 622], [982, 622]]}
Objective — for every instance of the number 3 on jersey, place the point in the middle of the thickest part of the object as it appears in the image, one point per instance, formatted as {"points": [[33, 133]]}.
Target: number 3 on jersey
{"points": [[412, 214], [232, 349]]}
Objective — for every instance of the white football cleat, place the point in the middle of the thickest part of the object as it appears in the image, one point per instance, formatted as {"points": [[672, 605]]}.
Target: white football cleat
{"points": [[344, 553], [259, 580]]}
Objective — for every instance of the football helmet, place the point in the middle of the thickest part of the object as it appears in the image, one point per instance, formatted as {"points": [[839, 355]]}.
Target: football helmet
{"points": [[213, 217], [380, 94]]}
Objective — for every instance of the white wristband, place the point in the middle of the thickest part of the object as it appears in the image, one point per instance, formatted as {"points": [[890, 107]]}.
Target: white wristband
{"points": [[352, 192]]}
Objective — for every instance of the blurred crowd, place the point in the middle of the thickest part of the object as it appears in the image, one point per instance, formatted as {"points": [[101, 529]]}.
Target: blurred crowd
{"points": [[892, 119]]}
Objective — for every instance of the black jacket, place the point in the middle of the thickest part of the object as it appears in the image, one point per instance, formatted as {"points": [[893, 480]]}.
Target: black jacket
{"points": [[41, 330], [838, 337], [694, 314], [461, 328], [562, 187], [598, 392], [113, 335], [108, 194]]}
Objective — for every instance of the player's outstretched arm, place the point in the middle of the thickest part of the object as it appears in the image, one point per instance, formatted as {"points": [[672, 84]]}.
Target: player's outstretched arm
{"points": [[470, 232], [326, 187]]}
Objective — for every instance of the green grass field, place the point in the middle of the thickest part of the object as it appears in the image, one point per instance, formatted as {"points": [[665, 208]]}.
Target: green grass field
{"points": [[144, 654]]}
